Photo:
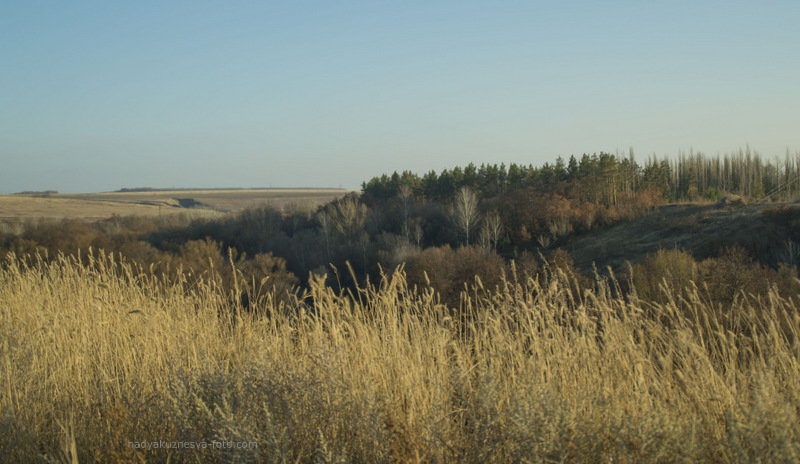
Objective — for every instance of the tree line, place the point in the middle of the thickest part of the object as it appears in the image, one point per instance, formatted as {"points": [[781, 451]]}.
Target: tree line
{"points": [[608, 179], [444, 228]]}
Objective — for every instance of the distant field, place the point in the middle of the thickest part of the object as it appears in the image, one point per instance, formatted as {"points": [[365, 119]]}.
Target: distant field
{"points": [[160, 202]]}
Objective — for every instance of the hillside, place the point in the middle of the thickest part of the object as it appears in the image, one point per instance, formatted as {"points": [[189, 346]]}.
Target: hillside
{"points": [[770, 232]]}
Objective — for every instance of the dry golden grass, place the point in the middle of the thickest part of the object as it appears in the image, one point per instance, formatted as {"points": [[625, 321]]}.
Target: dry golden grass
{"points": [[19, 206], [99, 355], [162, 202]]}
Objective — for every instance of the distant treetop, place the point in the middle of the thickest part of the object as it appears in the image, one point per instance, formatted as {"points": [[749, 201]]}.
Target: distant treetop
{"points": [[601, 177]]}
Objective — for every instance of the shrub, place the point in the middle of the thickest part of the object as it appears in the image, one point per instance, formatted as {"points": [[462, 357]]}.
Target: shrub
{"points": [[449, 271], [667, 272]]}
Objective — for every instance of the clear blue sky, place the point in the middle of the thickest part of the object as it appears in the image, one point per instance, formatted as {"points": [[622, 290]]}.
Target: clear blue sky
{"points": [[100, 95]]}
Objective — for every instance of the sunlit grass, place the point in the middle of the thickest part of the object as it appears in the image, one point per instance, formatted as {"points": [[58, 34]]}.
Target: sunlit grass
{"points": [[98, 355]]}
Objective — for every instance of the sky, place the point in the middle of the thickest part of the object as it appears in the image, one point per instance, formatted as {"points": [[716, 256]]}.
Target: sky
{"points": [[99, 95]]}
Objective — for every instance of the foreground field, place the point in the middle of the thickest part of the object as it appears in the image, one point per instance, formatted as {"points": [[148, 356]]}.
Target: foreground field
{"points": [[98, 360], [159, 202]]}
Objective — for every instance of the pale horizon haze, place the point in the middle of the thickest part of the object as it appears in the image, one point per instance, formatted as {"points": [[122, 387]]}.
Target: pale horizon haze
{"points": [[98, 95]]}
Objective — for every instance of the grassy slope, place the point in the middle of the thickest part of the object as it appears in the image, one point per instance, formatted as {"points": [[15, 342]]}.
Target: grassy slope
{"points": [[701, 229]]}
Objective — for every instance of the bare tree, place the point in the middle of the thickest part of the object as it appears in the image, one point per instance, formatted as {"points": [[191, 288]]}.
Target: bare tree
{"points": [[544, 240], [342, 222], [326, 227], [484, 240], [349, 217], [465, 211], [491, 230], [404, 195], [417, 232]]}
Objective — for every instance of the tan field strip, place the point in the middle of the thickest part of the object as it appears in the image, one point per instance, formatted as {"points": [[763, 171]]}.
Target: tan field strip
{"points": [[161, 202], [12, 207]]}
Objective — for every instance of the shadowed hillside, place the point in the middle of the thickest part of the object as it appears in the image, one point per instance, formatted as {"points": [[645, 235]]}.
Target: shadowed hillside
{"points": [[769, 232]]}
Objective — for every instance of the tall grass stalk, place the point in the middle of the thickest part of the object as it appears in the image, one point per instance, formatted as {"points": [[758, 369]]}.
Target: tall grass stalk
{"points": [[98, 356]]}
